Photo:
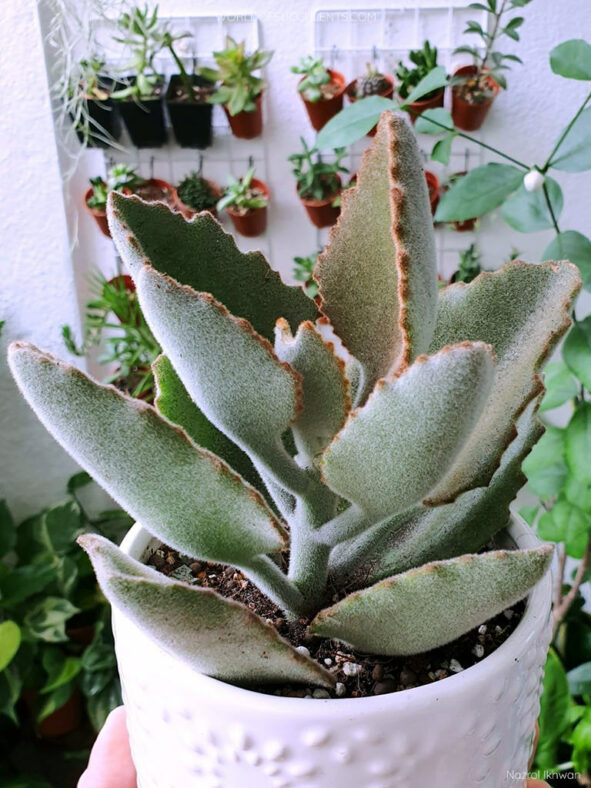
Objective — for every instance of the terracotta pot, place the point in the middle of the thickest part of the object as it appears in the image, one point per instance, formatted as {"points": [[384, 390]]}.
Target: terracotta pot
{"points": [[100, 215], [471, 729], [433, 186], [350, 91], [247, 125], [467, 116], [63, 720], [320, 112], [322, 213], [168, 191], [189, 212], [254, 222], [418, 107]]}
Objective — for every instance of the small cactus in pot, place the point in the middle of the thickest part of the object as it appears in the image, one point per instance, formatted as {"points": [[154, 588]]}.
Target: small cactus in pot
{"points": [[404, 450]]}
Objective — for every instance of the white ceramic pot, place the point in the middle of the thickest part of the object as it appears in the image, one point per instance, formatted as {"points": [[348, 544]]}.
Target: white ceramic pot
{"points": [[471, 730]]}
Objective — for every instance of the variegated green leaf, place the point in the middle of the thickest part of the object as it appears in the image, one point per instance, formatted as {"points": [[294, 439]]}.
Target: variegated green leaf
{"points": [[394, 449], [377, 277], [214, 635], [325, 388], [427, 607], [522, 310], [182, 494], [200, 254], [230, 371]]}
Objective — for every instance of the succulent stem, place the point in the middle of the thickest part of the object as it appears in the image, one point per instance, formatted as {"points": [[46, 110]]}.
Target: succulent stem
{"points": [[271, 580]]}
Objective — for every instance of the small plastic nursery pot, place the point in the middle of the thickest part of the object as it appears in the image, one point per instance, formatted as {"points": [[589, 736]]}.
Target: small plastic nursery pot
{"points": [[417, 108], [144, 120], [105, 113], [322, 213], [472, 729], [467, 116], [320, 112], [251, 223], [191, 120], [247, 125], [350, 91], [434, 189], [189, 212]]}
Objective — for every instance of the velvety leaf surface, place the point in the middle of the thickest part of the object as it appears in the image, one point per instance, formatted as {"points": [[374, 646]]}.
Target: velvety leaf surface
{"points": [[427, 607], [216, 636], [200, 254], [377, 276], [230, 372], [522, 310], [325, 388], [182, 494], [394, 449]]}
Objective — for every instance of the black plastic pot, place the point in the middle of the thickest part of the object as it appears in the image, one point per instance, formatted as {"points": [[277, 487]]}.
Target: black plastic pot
{"points": [[191, 120], [144, 120], [105, 114]]}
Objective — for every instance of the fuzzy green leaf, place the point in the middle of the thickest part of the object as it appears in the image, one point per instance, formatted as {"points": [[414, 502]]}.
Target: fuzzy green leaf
{"points": [[182, 494], [573, 246], [174, 402], [577, 351], [325, 388], [353, 122], [214, 635], [395, 449], [560, 386], [479, 192], [200, 254], [577, 445], [572, 59], [574, 154], [527, 212], [377, 277], [427, 607], [230, 372], [545, 467], [522, 310]]}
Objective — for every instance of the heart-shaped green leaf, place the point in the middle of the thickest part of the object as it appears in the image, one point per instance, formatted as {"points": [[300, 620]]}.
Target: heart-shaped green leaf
{"points": [[10, 640], [560, 386], [353, 122], [435, 79], [575, 247], [572, 59], [574, 154], [577, 444], [480, 191], [568, 524], [441, 116], [545, 467], [528, 212], [577, 351]]}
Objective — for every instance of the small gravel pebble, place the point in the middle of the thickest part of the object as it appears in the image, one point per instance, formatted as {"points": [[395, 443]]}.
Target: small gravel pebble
{"points": [[455, 666], [508, 613], [339, 689], [328, 661], [407, 677], [482, 629], [385, 686], [478, 651], [303, 650], [321, 693], [377, 673], [352, 669]]}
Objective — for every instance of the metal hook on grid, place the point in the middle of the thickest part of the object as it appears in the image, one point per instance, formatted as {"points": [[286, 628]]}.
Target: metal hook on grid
{"points": [[200, 164], [374, 55], [250, 161], [151, 167], [466, 160], [334, 54]]}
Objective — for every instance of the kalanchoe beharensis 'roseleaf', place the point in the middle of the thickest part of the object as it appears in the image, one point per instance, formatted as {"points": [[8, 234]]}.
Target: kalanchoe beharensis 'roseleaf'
{"points": [[325, 388], [230, 372], [427, 607], [216, 636], [377, 277], [522, 310], [200, 254], [182, 494], [394, 449]]}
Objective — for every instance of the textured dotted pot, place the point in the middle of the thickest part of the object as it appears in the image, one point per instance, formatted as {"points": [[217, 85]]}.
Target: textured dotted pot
{"points": [[472, 730]]}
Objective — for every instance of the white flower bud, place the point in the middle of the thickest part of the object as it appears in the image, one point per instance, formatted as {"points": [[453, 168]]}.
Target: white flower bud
{"points": [[533, 181]]}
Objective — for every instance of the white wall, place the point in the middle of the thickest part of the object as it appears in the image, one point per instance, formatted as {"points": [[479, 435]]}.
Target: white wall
{"points": [[38, 286]]}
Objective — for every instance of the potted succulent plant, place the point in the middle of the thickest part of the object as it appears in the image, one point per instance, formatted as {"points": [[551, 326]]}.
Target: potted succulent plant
{"points": [[303, 271], [93, 112], [120, 177], [469, 266], [318, 183], [239, 92], [475, 87], [395, 483], [195, 194], [156, 190], [434, 189], [424, 60], [140, 100], [372, 83], [245, 200], [321, 90]]}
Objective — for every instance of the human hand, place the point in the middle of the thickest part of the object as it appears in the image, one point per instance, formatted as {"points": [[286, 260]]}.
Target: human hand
{"points": [[110, 764]]}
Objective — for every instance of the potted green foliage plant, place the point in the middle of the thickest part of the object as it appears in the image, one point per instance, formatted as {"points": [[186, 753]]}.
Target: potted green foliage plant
{"points": [[93, 112], [475, 87], [240, 91], [140, 101], [303, 271], [318, 183], [120, 177], [372, 83], [423, 62], [321, 90], [195, 194], [245, 200], [469, 265], [394, 480]]}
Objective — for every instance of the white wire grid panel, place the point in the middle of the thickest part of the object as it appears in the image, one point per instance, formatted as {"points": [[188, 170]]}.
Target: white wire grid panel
{"points": [[227, 154], [348, 39]]}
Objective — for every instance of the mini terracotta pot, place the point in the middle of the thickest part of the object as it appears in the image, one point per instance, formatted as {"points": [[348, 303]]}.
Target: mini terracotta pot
{"points": [[168, 197], [189, 212], [417, 108], [434, 189], [252, 223], [63, 720], [350, 91], [322, 213], [320, 112], [467, 116], [99, 215], [247, 125]]}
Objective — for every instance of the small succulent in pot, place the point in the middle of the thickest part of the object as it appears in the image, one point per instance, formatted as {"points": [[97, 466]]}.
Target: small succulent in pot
{"points": [[120, 177], [469, 266], [321, 89], [404, 452], [318, 183], [372, 83], [423, 61], [87, 98], [196, 193], [303, 271], [246, 199]]}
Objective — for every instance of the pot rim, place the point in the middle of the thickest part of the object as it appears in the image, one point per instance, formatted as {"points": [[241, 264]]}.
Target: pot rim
{"points": [[467, 68], [499, 663], [321, 203], [385, 94], [335, 76], [215, 187]]}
